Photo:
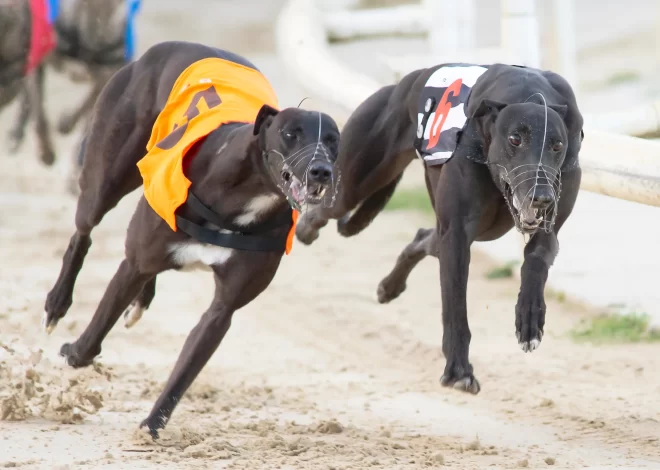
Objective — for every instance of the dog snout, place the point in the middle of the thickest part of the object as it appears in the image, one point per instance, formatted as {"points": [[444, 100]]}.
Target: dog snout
{"points": [[541, 199], [320, 172]]}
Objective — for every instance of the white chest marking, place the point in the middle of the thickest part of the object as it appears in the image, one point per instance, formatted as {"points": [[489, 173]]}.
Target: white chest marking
{"points": [[192, 255], [257, 207]]}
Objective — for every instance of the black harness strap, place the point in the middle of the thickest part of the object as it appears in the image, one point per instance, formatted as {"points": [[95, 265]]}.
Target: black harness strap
{"points": [[240, 238]]}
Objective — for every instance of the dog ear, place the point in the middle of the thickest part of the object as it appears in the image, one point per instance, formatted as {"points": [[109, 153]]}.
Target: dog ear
{"points": [[560, 109], [473, 140], [265, 116], [488, 107]]}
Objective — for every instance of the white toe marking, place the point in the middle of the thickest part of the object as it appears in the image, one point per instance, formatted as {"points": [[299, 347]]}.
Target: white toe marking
{"points": [[534, 344], [133, 314]]}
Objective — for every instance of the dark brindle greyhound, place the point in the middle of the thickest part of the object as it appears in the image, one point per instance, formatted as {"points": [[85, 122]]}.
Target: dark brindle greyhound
{"points": [[246, 176], [94, 40], [499, 144], [17, 74]]}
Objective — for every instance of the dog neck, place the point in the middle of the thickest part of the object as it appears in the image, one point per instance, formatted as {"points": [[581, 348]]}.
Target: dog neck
{"points": [[229, 175]]}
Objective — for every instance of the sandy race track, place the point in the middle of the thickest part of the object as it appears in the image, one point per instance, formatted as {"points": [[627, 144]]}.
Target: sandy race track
{"points": [[315, 374]]}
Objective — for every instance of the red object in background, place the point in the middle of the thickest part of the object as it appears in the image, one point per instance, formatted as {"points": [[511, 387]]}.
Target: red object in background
{"points": [[42, 40]]}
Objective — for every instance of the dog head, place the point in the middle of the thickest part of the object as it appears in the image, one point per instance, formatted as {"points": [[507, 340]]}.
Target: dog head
{"points": [[525, 147], [300, 148]]}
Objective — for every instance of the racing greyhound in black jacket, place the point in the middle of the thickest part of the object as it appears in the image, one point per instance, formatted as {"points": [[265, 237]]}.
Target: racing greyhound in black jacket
{"points": [[500, 145]]}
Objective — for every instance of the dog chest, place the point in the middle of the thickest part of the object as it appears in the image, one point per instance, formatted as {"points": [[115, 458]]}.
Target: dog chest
{"points": [[441, 111]]}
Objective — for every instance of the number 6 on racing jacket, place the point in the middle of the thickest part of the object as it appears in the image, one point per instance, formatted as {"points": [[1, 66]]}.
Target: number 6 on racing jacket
{"points": [[500, 147]]}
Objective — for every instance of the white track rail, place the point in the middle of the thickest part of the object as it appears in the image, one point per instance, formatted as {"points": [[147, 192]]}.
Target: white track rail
{"points": [[615, 165]]}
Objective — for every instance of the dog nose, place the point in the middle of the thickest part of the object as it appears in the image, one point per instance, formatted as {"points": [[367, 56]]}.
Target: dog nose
{"points": [[320, 172], [541, 200]]}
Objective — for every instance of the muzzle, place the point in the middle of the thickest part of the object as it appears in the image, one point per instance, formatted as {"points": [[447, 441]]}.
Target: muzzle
{"points": [[318, 183], [531, 211]]}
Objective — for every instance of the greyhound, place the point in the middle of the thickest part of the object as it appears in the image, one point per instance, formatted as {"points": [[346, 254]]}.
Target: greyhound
{"points": [[95, 38], [249, 176], [500, 143], [21, 71]]}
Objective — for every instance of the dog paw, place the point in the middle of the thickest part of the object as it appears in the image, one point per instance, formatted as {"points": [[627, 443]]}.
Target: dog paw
{"points": [[48, 157], [389, 289], [306, 234], [73, 358], [153, 425], [132, 314], [56, 308], [460, 378], [531, 345], [65, 124], [15, 141], [530, 319]]}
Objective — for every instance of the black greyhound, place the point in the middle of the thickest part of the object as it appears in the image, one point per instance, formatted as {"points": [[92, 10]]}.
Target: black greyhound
{"points": [[247, 172], [500, 144]]}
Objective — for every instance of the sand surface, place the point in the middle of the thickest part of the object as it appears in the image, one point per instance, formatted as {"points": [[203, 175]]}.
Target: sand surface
{"points": [[314, 374]]}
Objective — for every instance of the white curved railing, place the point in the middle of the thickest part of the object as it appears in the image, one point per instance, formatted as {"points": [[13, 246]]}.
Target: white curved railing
{"points": [[615, 165]]}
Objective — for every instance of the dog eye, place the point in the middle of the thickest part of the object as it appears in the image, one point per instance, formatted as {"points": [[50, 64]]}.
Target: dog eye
{"points": [[290, 136], [515, 140], [557, 146]]}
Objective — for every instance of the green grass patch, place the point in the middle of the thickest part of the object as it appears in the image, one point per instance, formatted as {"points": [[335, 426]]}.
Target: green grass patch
{"points": [[626, 76], [616, 328], [412, 199], [502, 272]]}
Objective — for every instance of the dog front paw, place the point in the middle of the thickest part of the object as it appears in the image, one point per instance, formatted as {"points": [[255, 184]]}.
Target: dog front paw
{"points": [[460, 378], [530, 319], [153, 425], [65, 124], [305, 233], [390, 288], [73, 357]]}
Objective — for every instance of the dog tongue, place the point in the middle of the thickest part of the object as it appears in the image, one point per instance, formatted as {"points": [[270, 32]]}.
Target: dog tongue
{"points": [[298, 192]]}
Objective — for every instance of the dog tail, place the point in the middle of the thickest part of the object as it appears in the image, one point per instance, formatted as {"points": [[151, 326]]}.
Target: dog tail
{"points": [[353, 223]]}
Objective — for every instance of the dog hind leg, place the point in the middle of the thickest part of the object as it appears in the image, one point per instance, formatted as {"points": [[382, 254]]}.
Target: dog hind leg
{"points": [[354, 223], [107, 176], [35, 91], [394, 283], [135, 311], [17, 132], [123, 288]]}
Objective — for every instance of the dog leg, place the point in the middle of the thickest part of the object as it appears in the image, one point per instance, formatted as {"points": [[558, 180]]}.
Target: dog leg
{"points": [[109, 173], [134, 311], [17, 132], [454, 254], [123, 288], [234, 289], [394, 283], [35, 87], [540, 253], [67, 121]]}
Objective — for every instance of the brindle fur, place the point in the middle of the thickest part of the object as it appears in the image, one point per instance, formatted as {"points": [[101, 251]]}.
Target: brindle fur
{"points": [[90, 48], [15, 31]]}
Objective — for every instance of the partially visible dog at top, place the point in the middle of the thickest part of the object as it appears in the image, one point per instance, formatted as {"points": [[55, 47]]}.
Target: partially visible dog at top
{"points": [[224, 175], [94, 39], [27, 38], [500, 145]]}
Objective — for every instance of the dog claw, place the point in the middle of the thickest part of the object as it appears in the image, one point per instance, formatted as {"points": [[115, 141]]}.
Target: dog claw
{"points": [[530, 346], [48, 326], [132, 314]]}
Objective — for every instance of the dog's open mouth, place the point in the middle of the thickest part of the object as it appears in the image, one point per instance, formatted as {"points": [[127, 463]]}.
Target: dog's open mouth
{"points": [[527, 219], [307, 194]]}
